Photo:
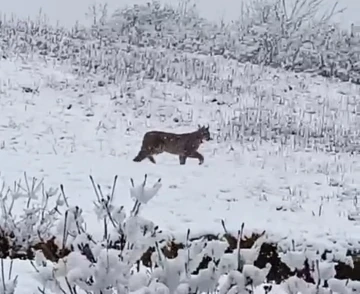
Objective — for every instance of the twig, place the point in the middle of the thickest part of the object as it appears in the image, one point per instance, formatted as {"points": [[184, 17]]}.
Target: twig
{"points": [[63, 194], [224, 227], [10, 269], [96, 191], [239, 259], [3, 275], [113, 189], [33, 265], [71, 289], [188, 252], [65, 229]]}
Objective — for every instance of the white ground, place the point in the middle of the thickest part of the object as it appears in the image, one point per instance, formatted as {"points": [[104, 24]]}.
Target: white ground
{"points": [[41, 136]]}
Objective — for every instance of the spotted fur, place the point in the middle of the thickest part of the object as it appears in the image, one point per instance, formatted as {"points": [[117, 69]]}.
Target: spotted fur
{"points": [[184, 145]]}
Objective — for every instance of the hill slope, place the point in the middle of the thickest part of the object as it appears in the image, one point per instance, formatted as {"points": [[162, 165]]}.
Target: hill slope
{"points": [[283, 159]]}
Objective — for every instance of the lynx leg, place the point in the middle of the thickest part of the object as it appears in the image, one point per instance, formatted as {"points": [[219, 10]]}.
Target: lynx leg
{"points": [[182, 159], [151, 158], [141, 156], [197, 155], [155, 150]]}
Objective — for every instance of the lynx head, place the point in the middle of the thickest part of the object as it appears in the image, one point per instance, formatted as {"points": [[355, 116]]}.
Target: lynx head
{"points": [[204, 133]]}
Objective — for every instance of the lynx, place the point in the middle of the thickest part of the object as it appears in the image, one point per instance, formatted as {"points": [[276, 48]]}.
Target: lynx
{"points": [[184, 145]]}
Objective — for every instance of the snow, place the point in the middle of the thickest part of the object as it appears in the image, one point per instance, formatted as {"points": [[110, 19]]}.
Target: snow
{"points": [[61, 128], [291, 194], [27, 274]]}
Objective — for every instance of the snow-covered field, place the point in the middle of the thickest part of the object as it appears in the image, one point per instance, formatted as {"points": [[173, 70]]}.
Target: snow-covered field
{"points": [[65, 135], [284, 161]]}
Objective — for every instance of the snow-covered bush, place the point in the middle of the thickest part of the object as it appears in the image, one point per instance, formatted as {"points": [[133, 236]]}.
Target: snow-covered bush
{"points": [[163, 42], [18, 234], [270, 32], [297, 38], [113, 263], [132, 254]]}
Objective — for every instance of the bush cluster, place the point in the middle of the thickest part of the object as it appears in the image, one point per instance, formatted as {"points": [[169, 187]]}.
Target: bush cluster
{"points": [[134, 254], [269, 32]]}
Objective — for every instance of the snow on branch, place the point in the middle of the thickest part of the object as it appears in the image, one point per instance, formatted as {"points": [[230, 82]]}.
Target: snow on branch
{"points": [[66, 258], [166, 43]]}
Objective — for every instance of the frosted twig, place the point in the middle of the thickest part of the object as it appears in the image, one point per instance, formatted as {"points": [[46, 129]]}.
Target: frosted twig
{"points": [[240, 264], [3, 274], [63, 194]]}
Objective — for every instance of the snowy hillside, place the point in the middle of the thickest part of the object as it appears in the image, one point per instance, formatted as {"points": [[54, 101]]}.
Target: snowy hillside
{"points": [[283, 164]]}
